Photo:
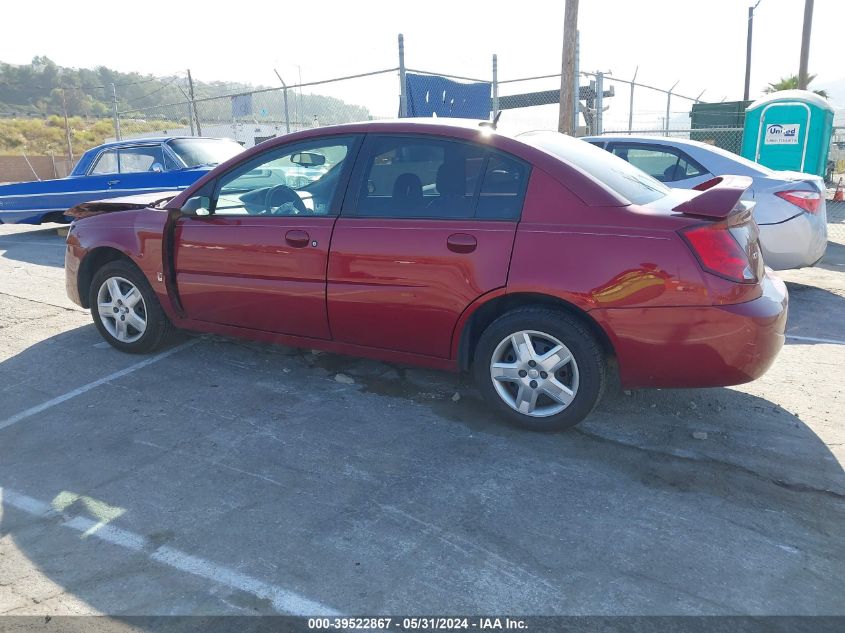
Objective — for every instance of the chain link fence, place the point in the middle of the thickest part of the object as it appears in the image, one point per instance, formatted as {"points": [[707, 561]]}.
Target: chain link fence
{"points": [[259, 115], [607, 106]]}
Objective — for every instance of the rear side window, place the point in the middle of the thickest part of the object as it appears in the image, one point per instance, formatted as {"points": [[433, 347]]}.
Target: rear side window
{"points": [[616, 174], [426, 177], [663, 164], [503, 189], [420, 177]]}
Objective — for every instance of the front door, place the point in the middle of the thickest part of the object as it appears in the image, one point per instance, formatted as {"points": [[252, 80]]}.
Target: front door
{"points": [[258, 258], [428, 227]]}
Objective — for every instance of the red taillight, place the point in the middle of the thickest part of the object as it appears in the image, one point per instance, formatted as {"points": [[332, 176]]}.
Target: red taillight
{"points": [[719, 253], [808, 201]]}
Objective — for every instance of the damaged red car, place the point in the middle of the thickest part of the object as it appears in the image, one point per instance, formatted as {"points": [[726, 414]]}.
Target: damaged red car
{"points": [[539, 263]]}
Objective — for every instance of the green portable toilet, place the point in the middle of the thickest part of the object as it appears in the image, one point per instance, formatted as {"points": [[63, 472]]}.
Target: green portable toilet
{"points": [[789, 129]]}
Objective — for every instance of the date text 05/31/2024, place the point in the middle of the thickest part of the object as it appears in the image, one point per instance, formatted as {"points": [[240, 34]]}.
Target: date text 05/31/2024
{"points": [[413, 624]]}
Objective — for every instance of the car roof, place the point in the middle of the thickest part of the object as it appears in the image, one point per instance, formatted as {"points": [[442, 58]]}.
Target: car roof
{"points": [[589, 190], [712, 157], [153, 139], [644, 138]]}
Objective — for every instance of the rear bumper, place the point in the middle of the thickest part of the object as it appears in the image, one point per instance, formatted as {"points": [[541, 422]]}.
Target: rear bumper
{"points": [[800, 241], [707, 346]]}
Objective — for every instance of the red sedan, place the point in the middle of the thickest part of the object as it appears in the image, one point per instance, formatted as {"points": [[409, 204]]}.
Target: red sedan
{"points": [[537, 262]]}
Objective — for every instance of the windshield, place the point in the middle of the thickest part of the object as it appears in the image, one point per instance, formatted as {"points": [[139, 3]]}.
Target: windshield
{"points": [[195, 152], [616, 174]]}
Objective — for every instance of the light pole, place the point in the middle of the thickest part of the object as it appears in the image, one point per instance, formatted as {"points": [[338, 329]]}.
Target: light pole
{"points": [[568, 91], [748, 50]]}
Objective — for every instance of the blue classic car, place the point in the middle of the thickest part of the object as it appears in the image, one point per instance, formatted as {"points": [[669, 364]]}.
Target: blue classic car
{"points": [[116, 169]]}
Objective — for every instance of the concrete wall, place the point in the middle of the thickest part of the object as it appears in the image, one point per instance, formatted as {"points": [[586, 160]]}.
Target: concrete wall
{"points": [[16, 169]]}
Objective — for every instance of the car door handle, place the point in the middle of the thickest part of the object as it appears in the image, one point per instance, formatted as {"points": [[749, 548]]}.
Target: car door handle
{"points": [[297, 238], [461, 243], [112, 182]]}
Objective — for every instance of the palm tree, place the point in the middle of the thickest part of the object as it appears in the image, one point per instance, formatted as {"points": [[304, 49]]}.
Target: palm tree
{"points": [[791, 83]]}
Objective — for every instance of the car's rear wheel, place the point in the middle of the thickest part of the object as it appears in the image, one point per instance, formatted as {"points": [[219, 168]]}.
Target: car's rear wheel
{"points": [[126, 310], [541, 368]]}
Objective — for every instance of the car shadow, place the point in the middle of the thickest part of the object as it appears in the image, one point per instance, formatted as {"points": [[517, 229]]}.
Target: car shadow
{"points": [[814, 314], [834, 257], [355, 482], [43, 247]]}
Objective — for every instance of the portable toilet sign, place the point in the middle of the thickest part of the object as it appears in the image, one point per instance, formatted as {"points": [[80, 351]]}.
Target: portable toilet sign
{"points": [[789, 130]]}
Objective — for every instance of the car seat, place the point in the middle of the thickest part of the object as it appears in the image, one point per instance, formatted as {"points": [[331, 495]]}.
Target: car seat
{"points": [[674, 172], [407, 191], [451, 186]]}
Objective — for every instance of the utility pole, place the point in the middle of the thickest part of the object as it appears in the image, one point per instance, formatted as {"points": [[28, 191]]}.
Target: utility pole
{"points": [[568, 90], [285, 93], [403, 94], [67, 134], [805, 44], [668, 108], [115, 117], [193, 103], [748, 50], [495, 86], [190, 110]]}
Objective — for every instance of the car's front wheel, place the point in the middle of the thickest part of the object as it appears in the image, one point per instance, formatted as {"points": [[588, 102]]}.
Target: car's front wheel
{"points": [[126, 310], [541, 368]]}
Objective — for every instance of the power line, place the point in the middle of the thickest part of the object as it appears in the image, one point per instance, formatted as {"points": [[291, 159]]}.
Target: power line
{"points": [[152, 92]]}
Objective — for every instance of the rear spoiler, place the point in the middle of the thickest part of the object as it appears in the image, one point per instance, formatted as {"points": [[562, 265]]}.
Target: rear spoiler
{"points": [[719, 198], [125, 203]]}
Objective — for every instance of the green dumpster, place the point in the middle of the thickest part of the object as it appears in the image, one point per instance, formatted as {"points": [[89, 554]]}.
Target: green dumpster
{"points": [[789, 129]]}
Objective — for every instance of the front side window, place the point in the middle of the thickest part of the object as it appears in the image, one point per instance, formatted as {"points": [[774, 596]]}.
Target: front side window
{"points": [[297, 180], [419, 177], [135, 160], [130, 160], [106, 163]]}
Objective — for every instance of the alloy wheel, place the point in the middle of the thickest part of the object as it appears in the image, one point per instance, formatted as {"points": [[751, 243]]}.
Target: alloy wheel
{"points": [[534, 373], [122, 310]]}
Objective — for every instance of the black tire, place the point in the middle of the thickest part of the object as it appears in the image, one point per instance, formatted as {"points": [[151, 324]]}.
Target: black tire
{"points": [[158, 329], [586, 352]]}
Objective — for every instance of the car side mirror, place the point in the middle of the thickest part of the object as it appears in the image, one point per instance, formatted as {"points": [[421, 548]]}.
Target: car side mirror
{"points": [[157, 168], [198, 205]]}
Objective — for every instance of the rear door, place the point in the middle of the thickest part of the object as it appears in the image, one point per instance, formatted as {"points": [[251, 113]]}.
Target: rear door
{"points": [[427, 227]]}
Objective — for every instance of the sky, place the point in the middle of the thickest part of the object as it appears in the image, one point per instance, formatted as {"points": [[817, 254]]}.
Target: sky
{"points": [[700, 43]]}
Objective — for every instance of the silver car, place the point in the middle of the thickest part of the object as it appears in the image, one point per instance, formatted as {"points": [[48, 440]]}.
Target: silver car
{"points": [[791, 209]]}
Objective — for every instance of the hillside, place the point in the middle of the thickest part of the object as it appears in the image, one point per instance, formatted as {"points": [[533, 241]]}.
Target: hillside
{"points": [[34, 97]]}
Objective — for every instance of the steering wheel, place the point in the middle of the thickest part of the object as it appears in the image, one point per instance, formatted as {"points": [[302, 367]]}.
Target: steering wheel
{"points": [[278, 197]]}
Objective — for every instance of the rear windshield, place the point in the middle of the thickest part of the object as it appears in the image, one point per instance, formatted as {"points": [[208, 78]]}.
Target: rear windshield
{"points": [[756, 168], [616, 174]]}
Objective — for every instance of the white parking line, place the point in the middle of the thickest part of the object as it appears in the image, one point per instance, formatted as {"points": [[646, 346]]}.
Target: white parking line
{"points": [[812, 339], [4, 241], [284, 600], [92, 385]]}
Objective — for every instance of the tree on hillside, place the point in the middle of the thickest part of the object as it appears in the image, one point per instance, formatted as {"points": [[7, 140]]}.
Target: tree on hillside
{"points": [[791, 83]]}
